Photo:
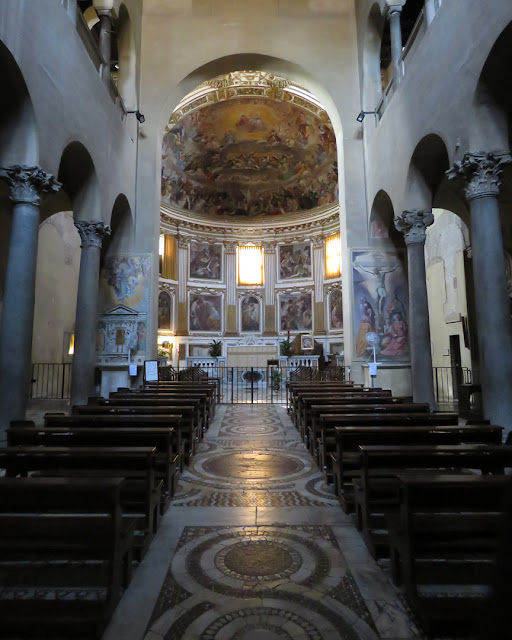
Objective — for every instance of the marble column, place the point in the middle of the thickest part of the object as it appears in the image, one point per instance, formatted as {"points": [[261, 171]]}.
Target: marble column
{"points": [[26, 184], [430, 11], [270, 266], [318, 275], [231, 281], [182, 329], [395, 28], [105, 42], [481, 175], [84, 358], [413, 224]]}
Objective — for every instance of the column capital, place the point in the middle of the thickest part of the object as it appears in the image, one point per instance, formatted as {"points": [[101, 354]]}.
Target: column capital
{"points": [[230, 247], [395, 6], [481, 173], [92, 233], [269, 248], [318, 242], [413, 224], [26, 184], [182, 241]]}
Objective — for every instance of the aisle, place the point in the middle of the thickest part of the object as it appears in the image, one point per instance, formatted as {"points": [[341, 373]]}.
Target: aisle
{"points": [[255, 547]]}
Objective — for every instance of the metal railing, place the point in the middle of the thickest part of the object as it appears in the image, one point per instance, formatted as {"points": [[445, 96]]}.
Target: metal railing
{"points": [[251, 385], [51, 380]]}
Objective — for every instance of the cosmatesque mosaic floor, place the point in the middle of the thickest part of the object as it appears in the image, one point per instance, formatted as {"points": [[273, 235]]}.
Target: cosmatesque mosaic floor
{"points": [[256, 547]]}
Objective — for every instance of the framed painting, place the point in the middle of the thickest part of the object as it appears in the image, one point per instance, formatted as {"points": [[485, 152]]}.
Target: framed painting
{"points": [[165, 311], [335, 307], [205, 312], [295, 311], [380, 304], [205, 261], [306, 342], [294, 261], [250, 314]]}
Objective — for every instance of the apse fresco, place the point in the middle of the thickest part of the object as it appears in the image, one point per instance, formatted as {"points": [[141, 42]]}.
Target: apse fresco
{"points": [[294, 261], [250, 314], [295, 312], [248, 157], [164, 310], [205, 312], [380, 304], [125, 279], [335, 310], [205, 260]]}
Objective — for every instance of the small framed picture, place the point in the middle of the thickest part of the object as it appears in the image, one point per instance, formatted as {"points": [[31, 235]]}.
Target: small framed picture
{"points": [[306, 342]]}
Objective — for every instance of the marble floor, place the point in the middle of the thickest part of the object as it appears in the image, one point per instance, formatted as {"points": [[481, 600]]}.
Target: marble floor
{"points": [[256, 547]]}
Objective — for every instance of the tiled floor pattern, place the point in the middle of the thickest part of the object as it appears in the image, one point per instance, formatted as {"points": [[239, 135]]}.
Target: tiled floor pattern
{"points": [[256, 547]]}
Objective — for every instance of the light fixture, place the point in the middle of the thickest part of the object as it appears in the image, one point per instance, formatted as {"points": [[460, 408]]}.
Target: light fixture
{"points": [[363, 113], [138, 115]]}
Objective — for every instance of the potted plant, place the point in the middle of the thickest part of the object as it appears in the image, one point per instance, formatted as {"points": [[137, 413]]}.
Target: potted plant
{"points": [[215, 348], [286, 348], [275, 379]]}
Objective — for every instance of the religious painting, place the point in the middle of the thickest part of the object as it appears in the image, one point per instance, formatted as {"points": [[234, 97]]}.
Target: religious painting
{"points": [[205, 312], [294, 261], [335, 310], [306, 342], [164, 311], [379, 229], [250, 156], [205, 261], [120, 335], [250, 314], [295, 311], [380, 305], [125, 279]]}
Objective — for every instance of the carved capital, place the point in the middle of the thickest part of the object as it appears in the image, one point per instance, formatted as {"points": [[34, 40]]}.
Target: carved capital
{"points": [[26, 184], [413, 224], [395, 6], [318, 242], [480, 173], [269, 248], [230, 247], [183, 242], [92, 233]]}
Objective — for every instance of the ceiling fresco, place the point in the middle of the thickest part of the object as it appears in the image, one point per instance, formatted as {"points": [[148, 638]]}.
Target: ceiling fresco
{"points": [[249, 156]]}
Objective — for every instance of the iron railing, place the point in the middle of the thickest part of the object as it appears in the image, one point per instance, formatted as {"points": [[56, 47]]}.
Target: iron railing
{"points": [[447, 381], [51, 380]]}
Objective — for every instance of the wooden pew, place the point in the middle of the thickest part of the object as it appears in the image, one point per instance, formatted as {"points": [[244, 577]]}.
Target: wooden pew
{"points": [[99, 437], [298, 384], [317, 409], [46, 526], [346, 461], [173, 399], [140, 494], [328, 422], [212, 386], [443, 543], [375, 491]]}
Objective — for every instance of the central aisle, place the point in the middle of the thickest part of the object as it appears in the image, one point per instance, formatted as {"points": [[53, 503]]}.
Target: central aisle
{"points": [[255, 547]]}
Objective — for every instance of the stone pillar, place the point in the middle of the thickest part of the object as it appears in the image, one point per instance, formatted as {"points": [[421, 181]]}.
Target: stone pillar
{"points": [[318, 276], [105, 42], [231, 282], [269, 279], [26, 184], [413, 225], [182, 329], [481, 173], [395, 28], [84, 358], [430, 11]]}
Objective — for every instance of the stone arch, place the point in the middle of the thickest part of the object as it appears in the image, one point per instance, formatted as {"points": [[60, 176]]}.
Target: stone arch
{"points": [[121, 224], [491, 126], [382, 231], [127, 59], [18, 130], [372, 80], [79, 179], [426, 173]]}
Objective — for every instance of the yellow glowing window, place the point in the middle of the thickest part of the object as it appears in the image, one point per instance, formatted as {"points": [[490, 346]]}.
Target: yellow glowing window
{"points": [[250, 264], [333, 256], [71, 347]]}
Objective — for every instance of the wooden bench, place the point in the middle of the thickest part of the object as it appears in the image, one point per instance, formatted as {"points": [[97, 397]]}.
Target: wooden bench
{"points": [[346, 461], [61, 537], [298, 395], [326, 443], [212, 386], [375, 491], [443, 543], [140, 494], [98, 437], [291, 386], [313, 432]]}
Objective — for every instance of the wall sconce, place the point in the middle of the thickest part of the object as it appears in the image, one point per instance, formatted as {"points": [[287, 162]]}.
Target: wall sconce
{"points": [[363, 114], [138, 115]]}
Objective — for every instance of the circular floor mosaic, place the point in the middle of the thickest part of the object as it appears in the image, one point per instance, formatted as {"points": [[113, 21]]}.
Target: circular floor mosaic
{"points": [[253, 466], [258, 559]]}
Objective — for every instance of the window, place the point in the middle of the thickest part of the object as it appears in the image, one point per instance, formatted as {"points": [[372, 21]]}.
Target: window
{"points": [[333, 256], [250, 265]]}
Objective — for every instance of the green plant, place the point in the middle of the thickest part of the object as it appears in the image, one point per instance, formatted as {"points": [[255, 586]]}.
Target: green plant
{"points": [[286, 348], [215, 348], [275, 378]]}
